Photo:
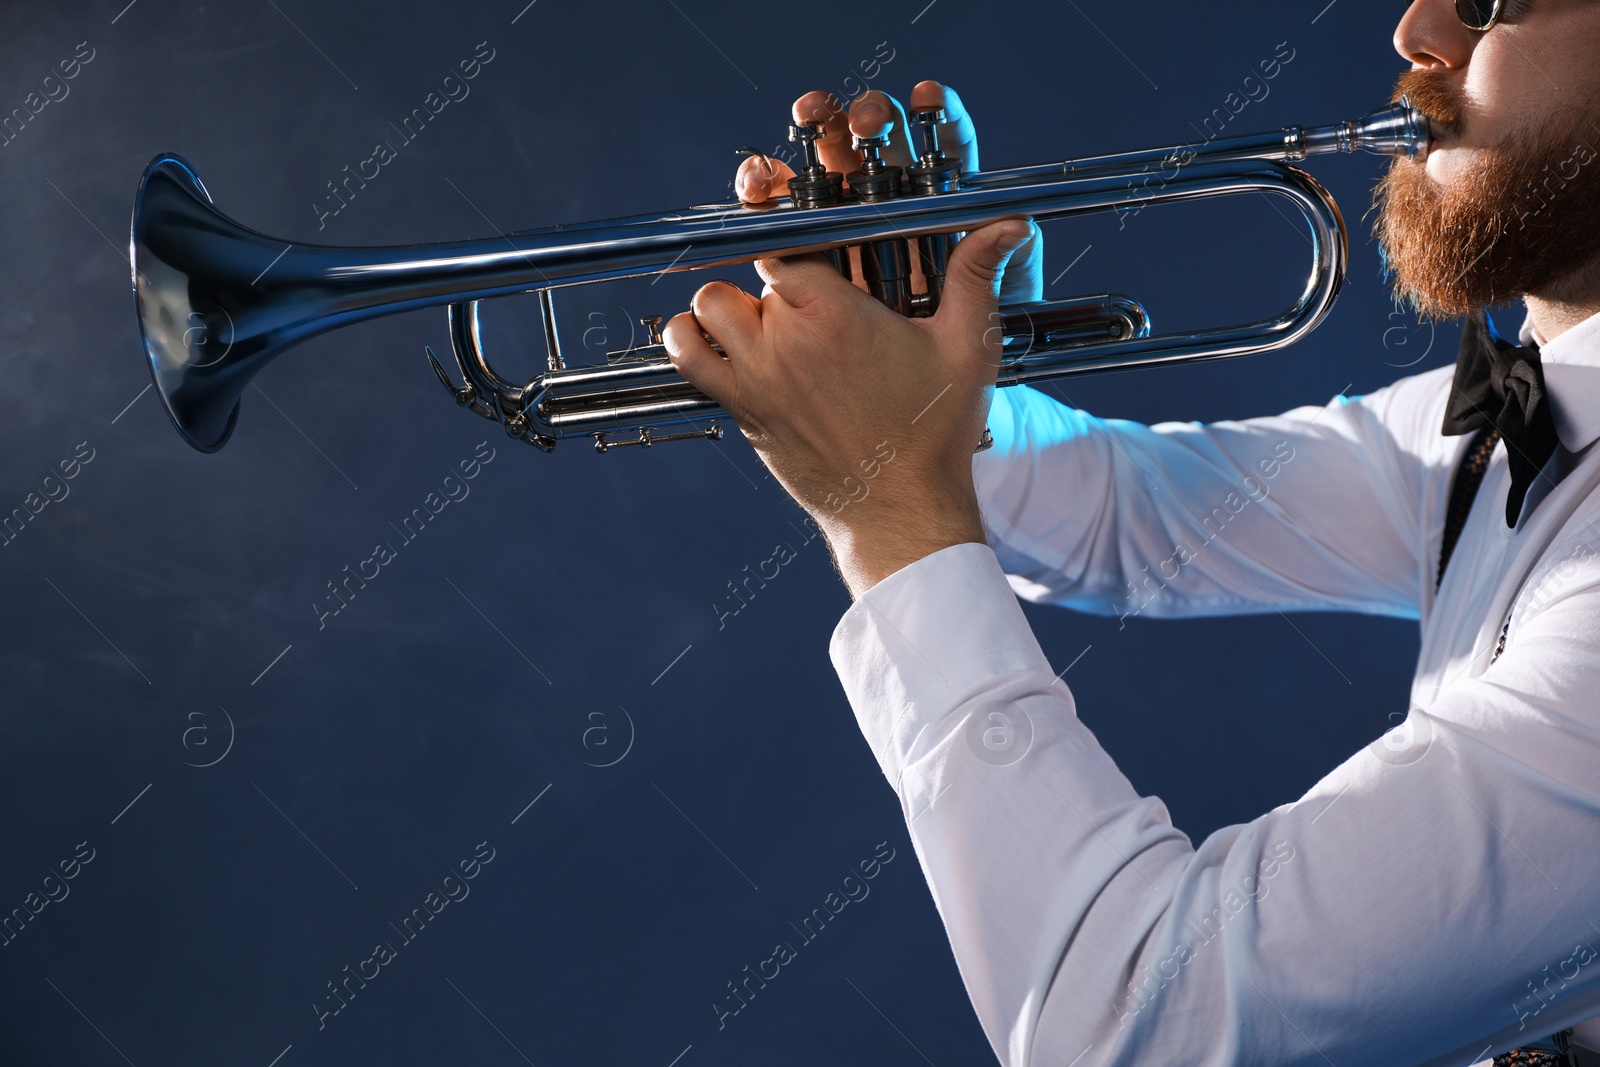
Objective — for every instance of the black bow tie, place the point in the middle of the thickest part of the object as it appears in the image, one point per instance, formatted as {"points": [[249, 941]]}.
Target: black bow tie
{"points": [[1498, 384]]}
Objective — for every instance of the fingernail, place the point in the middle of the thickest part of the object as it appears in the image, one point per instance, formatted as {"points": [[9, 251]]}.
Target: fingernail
{"points": [[1013, 239]]}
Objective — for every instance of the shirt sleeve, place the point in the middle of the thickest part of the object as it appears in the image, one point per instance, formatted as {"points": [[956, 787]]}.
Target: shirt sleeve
{"points": [[1430, 902], [1321, 508]]}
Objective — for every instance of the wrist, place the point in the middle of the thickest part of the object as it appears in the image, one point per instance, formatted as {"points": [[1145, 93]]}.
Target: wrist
{"points": [[877, 542]]}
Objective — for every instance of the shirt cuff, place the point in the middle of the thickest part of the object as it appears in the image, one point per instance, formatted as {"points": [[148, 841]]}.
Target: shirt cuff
{"points": [[924, 640]]}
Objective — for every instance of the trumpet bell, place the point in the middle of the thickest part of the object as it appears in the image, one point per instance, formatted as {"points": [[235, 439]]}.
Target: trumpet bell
{"points": [[202, 340]]}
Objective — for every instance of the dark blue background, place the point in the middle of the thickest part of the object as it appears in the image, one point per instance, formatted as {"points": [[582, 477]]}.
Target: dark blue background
{"points": [[141, 611]]}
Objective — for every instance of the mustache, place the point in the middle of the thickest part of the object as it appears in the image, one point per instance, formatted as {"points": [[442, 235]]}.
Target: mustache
{"points": [[1431, 94]]}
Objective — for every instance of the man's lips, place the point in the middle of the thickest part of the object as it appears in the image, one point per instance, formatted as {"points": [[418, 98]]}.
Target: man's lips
{"points": [[1438, 134]]}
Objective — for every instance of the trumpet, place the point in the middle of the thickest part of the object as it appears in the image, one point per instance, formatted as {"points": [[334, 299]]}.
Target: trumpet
{"points": [[218, 301]]}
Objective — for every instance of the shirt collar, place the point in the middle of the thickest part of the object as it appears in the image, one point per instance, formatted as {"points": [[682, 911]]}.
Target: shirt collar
{"points": [[1571, 365]]}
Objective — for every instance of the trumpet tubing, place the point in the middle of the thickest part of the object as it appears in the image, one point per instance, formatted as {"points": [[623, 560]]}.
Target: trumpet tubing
{"points": [[217, 301]]}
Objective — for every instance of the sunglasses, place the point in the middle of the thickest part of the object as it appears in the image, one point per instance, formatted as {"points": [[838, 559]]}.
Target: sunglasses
{"points": [[1479, 15]]}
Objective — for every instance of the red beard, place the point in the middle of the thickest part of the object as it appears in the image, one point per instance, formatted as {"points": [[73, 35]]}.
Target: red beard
{"points": [[1517, 220]]}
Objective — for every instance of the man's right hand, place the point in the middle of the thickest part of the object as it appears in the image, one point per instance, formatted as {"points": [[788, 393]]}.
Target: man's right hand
{"points": [[761, 178]]}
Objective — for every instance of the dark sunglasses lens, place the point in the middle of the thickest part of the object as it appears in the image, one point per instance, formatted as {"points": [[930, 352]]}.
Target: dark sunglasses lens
{"points": [[1477, 14]]}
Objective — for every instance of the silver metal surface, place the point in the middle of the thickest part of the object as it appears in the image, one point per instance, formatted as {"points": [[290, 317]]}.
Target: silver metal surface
{"points": [[217, 301]]}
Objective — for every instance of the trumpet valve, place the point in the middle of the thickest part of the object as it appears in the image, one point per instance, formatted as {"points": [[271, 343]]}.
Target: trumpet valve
{"points": [[927, 124], [806, 135], [815, 185], [885, 263], [876, 180], [933, 172]]}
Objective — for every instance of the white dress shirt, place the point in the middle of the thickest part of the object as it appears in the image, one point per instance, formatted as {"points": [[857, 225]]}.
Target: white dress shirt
{"points": [[1434, 900]]}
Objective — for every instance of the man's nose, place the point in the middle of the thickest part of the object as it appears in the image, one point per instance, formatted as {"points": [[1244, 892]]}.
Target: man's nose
{"points": [[1431, 36]]}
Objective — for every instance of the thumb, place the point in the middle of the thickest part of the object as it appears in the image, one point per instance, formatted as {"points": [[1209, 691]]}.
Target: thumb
{"points": [[972, 278]]}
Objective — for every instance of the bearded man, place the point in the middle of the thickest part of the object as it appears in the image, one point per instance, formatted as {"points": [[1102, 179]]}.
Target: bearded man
{"points": [[1436, 898]]}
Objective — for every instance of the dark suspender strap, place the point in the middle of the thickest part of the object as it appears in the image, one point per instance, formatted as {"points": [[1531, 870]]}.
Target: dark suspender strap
{"points": [[1462, 491]]}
